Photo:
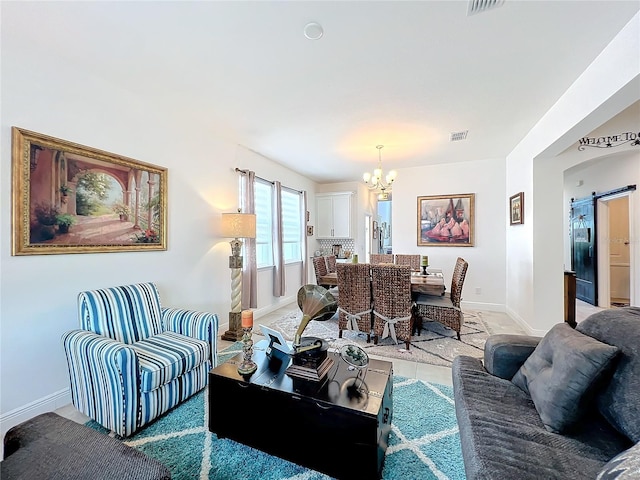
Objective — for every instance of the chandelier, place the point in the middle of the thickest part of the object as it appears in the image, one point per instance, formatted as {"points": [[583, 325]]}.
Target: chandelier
{"points": [[378, 181]]}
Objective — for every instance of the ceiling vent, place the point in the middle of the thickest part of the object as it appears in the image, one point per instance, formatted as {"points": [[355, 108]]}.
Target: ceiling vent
{"points": [[457, 136], [478, 6]]}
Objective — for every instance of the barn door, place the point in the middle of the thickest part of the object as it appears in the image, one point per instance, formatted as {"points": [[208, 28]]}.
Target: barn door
{"points": [[584, 255]]}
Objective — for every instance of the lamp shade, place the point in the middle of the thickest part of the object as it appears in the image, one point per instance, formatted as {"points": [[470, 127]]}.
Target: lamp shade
{"points": [[239, 225]]}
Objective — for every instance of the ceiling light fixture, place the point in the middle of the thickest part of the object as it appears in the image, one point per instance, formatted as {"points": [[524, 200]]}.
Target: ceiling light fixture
{"points": [[313, 31], [376, 182]]}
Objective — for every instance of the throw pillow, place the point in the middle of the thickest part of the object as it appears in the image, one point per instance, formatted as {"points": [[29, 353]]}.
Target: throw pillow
{"points": [[560, 371], [624, 466]]}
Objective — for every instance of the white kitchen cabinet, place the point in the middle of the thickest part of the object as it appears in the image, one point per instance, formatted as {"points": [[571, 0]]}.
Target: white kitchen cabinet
{"points": [[333, 215]]}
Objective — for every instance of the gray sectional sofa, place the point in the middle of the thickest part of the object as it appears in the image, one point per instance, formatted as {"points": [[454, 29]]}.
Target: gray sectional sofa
{"points": [[576, 415]]}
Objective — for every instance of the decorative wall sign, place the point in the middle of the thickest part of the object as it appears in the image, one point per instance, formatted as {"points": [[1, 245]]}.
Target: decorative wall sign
{"points": [[516, 208], [610, 141], [68, 198], [446, 220]]}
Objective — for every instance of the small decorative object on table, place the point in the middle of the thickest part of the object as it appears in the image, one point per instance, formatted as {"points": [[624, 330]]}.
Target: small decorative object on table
{"points": [[248, 366], [357, 359], [425, 264]]}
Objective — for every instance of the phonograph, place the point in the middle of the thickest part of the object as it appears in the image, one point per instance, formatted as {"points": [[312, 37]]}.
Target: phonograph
{"points": [[309, 356]]}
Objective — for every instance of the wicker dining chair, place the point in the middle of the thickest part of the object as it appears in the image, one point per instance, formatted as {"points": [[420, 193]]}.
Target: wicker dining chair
{"points": [[331, 263], [320, 268], [405, 259], [377, 258], [445, 309], [391, 293], [354, 301]]}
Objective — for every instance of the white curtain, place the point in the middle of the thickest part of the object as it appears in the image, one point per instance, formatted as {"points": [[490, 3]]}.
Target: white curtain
{"points": [[278, 254], [249, 266]]}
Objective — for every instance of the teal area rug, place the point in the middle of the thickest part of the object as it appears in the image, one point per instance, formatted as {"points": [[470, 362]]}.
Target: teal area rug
{"points": [[424, 442]]}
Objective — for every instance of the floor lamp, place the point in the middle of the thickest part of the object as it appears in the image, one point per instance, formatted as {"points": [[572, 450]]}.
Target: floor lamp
{"points": [[236, 226]]}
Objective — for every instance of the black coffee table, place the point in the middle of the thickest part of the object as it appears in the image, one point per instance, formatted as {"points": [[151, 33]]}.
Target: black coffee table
{"points": [[330, 426]]}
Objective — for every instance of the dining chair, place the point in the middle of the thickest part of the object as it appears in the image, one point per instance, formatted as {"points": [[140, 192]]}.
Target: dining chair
{"points": [[392, 305], [354, 301], [377, 258], [405, 259], [320, 268], [445, 309], [331, 263]]}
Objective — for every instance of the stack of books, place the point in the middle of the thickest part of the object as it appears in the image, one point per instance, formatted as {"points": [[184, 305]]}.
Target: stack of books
{"points": [[310, 373]]}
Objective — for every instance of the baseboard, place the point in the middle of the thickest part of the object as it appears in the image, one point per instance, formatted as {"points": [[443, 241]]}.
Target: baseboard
{"points": [[525, 326], [487, 307], [48, 403]]}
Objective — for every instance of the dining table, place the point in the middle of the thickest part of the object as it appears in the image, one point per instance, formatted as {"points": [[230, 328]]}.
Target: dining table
{"points": [[430, 284]]}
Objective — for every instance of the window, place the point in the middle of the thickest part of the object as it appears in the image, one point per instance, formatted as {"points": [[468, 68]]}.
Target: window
{"points": [[291, 224], [263, 200], [291, 228]]}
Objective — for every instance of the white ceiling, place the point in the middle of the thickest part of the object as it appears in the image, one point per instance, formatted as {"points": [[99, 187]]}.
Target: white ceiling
{"points": [[402, 74]]}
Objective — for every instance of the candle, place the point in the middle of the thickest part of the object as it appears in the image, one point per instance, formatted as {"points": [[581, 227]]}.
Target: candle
{"points": [[247, 318], [425, 260]]}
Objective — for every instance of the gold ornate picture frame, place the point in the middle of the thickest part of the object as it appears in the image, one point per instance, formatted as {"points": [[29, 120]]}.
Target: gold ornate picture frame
{"points": [[446, 220], [70, 198]]}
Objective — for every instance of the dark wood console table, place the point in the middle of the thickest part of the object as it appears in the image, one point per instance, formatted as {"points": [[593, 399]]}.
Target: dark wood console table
{"points": [[325, 426]]}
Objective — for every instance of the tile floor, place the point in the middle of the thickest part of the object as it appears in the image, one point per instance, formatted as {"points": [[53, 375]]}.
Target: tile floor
{"points": [[497, 322]]}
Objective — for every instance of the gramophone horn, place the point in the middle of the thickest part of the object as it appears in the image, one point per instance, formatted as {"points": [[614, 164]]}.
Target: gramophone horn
{"points": [[316, 303]]}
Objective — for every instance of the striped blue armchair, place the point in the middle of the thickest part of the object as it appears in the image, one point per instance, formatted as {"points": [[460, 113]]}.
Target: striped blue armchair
{"points": [[132, 360]]}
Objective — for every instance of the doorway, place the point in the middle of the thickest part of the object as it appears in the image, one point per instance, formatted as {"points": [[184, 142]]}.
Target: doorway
{"points": [[601, 252], [584, 251], [613, 240]]}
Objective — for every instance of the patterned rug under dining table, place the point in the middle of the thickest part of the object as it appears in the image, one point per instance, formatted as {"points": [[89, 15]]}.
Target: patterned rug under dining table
{"points": [[431, 284]]}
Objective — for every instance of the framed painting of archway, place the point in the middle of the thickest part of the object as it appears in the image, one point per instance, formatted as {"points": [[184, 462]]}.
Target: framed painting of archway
{"points": [[69, 198], [446, 220]]}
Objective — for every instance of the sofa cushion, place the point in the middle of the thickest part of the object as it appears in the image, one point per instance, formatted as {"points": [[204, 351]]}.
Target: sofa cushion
{"points": [[619, 401], [502, 436], [166, 356], [559, 373], [624, 466], [49, 446]]}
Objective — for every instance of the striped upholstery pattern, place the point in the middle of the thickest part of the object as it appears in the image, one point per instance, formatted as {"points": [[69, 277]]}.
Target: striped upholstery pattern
{"points": [[200, 325], [104, 380], [167, 356], [133, 360], [127, 314]]}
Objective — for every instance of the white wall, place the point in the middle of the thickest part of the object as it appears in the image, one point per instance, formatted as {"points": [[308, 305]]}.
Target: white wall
{"points": [[38, 292], [484, 178], [535, 253]]}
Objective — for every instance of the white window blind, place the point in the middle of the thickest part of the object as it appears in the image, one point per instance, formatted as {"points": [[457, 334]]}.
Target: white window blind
{"points": [[291, 228], [263, 200], [292, 234]]}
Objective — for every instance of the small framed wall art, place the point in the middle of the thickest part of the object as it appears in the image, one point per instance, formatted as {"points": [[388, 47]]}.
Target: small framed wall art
{"points": [[516, 209]]}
